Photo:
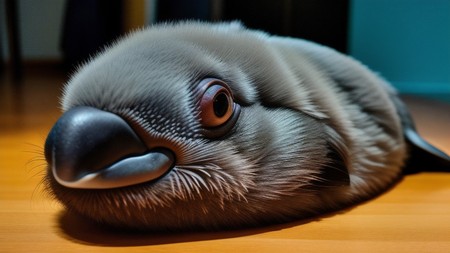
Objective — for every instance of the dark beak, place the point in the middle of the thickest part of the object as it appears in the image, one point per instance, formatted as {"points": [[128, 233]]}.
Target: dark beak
{"points": [[93, 149]]}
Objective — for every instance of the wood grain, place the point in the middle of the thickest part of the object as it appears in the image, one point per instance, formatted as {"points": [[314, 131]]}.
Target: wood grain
{"points": [[414, 216]]}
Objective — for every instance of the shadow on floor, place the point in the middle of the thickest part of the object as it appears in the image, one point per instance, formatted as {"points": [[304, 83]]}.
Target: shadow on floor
{"points": [[78, 229]]}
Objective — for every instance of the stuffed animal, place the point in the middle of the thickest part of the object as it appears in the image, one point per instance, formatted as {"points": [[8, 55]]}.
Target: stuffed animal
{"points": [[197, 126]]}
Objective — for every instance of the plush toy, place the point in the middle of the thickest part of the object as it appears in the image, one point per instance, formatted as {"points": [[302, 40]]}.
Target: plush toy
{"points": [[213, 126]]}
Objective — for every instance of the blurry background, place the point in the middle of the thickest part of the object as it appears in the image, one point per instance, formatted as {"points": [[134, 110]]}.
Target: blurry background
{"points": [[406, 41]]}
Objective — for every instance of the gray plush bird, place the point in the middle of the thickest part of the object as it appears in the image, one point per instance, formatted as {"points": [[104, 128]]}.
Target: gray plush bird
{"points": [[212, 126]]}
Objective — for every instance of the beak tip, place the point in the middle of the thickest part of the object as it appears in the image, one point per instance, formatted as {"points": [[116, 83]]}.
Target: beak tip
{"points": [[91, 148], [126, 172]]}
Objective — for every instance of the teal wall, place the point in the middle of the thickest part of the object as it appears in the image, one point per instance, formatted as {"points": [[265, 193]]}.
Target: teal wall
{"points": [[406, 41]]}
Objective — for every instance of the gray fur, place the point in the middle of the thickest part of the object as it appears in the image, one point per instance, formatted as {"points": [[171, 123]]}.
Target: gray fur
{"points": [[306, 109]]}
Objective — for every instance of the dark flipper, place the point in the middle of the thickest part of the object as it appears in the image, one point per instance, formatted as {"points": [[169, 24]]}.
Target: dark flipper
{"points": [[422, 155]]}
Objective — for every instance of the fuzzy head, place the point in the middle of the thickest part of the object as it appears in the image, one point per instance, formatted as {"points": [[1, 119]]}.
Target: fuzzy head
{"points": [[199, 126]]}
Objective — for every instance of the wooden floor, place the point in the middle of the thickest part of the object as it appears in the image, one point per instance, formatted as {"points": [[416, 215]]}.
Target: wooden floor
{"points": [[414, 216]]}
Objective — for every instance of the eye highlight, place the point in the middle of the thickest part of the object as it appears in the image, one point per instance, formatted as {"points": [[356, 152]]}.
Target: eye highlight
{"points": [[218, 111]]}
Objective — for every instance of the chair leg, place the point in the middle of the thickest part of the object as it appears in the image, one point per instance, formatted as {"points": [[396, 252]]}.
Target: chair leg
{"points": [[14, 38]]}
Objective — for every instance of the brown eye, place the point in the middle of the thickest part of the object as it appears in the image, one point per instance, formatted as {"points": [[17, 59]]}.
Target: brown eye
{"points": [[218, 111], [216, 105]]}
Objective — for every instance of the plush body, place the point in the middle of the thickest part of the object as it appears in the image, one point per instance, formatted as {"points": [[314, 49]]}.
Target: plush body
{"points": [[313, 130]]}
